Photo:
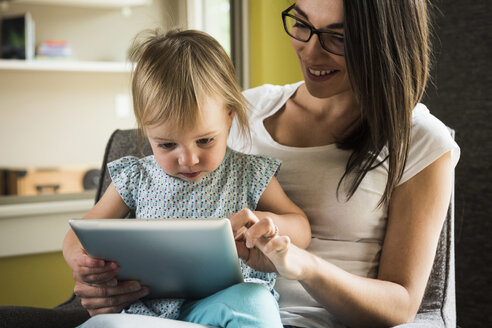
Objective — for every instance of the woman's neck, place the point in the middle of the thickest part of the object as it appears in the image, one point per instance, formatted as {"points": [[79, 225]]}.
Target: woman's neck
{"points": [[307, 121], [337, 108], [337, 114]]}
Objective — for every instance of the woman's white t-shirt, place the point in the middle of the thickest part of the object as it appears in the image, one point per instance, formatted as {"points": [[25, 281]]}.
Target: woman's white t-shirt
{"points": [[350, 233]]}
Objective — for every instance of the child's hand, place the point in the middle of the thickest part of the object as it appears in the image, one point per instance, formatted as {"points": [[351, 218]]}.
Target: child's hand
{"points": [[91, 271], [241, 221]]}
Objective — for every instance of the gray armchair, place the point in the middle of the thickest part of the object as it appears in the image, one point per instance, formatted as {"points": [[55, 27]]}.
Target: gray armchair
{"points": [[438, 307]]}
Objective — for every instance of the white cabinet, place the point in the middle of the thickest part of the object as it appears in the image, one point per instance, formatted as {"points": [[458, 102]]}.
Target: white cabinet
{"points": [[68, 66], [99, 32], [89, 3], [60, 113]]}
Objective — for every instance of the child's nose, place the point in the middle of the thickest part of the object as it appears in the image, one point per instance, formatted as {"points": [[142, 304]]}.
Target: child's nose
{"points": [[188, 158]]}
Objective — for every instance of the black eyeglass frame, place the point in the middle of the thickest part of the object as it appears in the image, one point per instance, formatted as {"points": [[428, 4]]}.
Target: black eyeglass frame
{"points": [[312, 29]]}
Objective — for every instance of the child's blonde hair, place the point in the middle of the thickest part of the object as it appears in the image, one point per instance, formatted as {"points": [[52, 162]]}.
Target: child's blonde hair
{"points": [[175, 71]]}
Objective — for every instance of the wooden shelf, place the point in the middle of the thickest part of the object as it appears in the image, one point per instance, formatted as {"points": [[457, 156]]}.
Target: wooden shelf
{"points": [[88, 3], [64, 66]]}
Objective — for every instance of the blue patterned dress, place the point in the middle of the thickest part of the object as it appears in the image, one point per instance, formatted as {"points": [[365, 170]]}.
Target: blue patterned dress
{"points": [[236, 184]]}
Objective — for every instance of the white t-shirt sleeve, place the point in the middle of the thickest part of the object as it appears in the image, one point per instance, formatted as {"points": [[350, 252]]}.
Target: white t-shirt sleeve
{"points": [[429, 140], [262, 102]]}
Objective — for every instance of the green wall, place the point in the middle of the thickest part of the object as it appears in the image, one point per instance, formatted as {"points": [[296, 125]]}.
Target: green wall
{"points": [[272, 59], [42, 280]]}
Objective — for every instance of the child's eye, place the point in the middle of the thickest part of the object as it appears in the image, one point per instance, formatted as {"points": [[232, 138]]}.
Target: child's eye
{"points": [[204, 141], [167, 145]]}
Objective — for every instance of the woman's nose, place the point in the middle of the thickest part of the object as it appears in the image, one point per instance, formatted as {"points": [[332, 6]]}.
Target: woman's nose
{"points": [[313, 46], [188, 158]]}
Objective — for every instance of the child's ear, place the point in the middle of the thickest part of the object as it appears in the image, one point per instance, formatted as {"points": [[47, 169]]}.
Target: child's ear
{"points": [[230, 116]]}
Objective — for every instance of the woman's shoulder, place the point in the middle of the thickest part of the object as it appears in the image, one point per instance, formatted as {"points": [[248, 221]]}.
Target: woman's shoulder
{"points": [[428, 129], [430, 138], [267, 96]]}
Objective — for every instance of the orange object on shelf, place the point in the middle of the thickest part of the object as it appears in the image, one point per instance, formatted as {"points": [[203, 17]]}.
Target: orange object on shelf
{"points": [[26, 182]]}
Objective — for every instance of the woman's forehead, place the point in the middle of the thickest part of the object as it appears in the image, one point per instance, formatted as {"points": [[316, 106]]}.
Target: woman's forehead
{"points": [[321, 13]]}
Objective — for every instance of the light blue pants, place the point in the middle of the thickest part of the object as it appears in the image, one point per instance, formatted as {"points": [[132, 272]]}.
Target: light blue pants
{"points": [[242, 305]]}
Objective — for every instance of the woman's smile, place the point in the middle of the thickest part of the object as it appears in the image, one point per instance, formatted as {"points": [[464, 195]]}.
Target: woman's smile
{"points": [[320, 74]]}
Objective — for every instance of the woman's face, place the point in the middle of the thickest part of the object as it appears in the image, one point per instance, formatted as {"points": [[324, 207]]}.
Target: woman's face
{"points": [[325, 74]]}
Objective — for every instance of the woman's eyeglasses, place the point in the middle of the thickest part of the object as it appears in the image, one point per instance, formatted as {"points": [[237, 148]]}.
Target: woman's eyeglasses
{"points": [[302, 31]]}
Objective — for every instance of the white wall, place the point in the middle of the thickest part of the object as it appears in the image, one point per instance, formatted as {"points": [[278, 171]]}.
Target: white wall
{"points": [[65, 118], [58, 118]]}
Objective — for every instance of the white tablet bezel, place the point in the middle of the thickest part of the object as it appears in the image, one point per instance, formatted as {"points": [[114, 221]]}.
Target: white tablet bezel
{"points": [[175, 258]]}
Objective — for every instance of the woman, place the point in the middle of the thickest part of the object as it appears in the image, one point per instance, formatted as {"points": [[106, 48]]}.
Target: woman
{"points": [[369, 165]]}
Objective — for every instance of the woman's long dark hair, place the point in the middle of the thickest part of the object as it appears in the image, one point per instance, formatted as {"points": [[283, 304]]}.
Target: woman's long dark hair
{"points": [[388, 58]]}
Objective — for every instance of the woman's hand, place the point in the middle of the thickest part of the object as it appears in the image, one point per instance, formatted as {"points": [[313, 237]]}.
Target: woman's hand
{"points": [[260, 247], [97, 286], [253, 257], [287, 258], [103, 299], [93, 271]]}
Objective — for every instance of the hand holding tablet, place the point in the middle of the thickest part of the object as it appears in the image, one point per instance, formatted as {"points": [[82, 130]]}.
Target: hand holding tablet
{"points": [[182, 258]]}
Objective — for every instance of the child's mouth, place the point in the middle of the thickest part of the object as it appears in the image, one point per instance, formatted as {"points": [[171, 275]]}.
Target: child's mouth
{"points": [[190, 175]]}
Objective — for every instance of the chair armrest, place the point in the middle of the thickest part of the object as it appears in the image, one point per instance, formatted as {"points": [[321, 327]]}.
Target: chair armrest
{"points": [[30, 317]]}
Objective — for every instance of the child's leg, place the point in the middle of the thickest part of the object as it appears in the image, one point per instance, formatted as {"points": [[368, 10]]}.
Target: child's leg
{"points": [[124, 320], [241, 305]]}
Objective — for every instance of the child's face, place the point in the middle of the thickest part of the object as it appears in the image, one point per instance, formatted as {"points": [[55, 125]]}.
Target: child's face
{"points": [[191, 152]]}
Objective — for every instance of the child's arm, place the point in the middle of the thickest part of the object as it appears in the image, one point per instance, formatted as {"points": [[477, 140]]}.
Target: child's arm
{"points": [[85, 268], [287, 216]]}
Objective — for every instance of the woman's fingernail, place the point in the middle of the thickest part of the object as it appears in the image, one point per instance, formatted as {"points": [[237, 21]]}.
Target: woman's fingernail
{"points": [[135, 286]]}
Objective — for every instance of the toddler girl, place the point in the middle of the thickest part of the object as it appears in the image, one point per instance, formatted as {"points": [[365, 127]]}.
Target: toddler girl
{"points": [[185, 98]]}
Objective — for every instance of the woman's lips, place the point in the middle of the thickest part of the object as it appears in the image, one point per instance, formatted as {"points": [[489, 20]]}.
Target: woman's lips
{"points": [[320, 74]]}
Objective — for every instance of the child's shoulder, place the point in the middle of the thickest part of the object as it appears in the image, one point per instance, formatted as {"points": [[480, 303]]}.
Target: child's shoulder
{"points": [[134, 165], [247, 162], [235, 155], [133, 161]]}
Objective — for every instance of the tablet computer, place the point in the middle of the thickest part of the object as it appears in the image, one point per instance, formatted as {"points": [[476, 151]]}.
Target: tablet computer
{"points": [[175, 258]]}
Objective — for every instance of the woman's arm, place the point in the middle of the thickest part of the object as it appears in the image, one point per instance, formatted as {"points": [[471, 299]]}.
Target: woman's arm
{"points": [[416, 215]]}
